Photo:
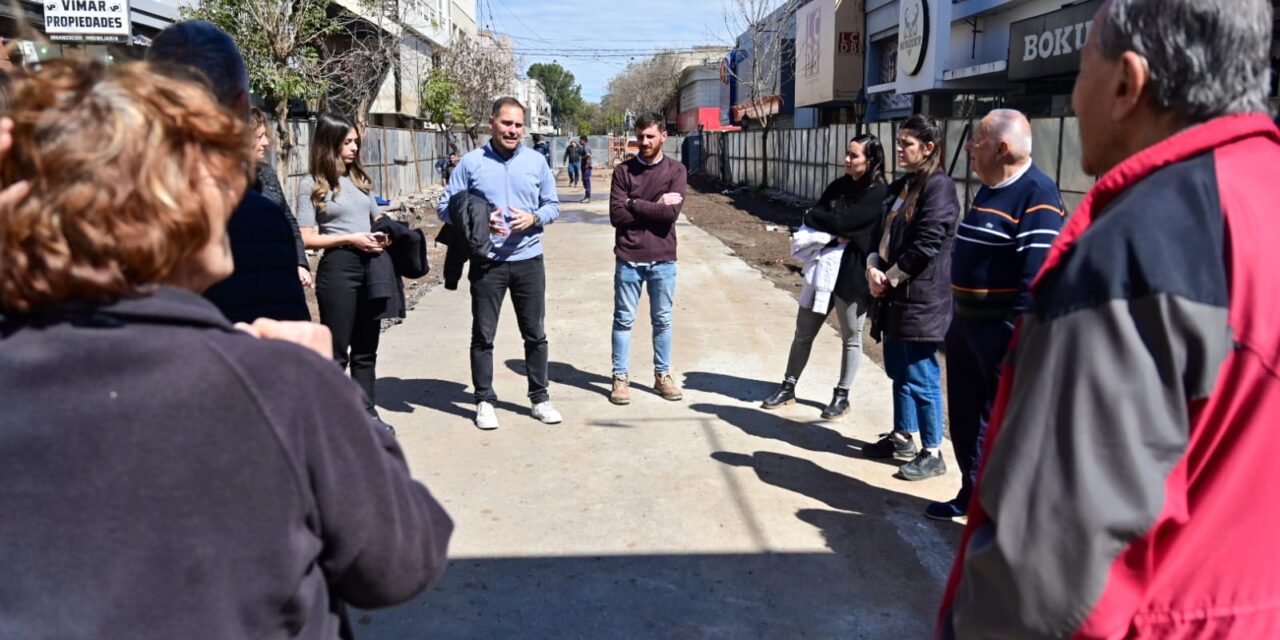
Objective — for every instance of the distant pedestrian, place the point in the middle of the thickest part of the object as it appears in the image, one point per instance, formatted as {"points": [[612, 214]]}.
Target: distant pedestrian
{"points": [[166, 475], [266, 282], [644, 203], [573, 161], [910, 276], [519, 184], [586, 168], [848, 211], [268, 184], [446, 169], [1000, 245], [336, 212], [543, 147], [1129, 485]]}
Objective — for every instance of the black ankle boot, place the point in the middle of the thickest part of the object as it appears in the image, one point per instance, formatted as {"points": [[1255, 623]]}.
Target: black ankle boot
{"points": [[839, 405], [786, 394]]}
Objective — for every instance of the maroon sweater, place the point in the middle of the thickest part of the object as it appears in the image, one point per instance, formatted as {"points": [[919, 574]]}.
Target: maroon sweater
{"points": [[645, 231]]}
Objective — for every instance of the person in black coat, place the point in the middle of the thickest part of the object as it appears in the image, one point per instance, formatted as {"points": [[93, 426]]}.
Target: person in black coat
{"points": [[909, 273], [268, 184], [169, 474], [265, 283], [849, 209]]}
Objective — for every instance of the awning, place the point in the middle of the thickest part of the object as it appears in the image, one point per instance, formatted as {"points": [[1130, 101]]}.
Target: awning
{"points": [[976, 70], [766, 106]]}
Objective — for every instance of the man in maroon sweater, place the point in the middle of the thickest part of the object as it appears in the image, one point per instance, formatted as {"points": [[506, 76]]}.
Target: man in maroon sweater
{"points": [[644, 203]]}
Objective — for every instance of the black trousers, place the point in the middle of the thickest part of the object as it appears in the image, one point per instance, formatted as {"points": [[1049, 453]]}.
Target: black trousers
{"points": [[340, 291], [975, 354], [490, 281]]}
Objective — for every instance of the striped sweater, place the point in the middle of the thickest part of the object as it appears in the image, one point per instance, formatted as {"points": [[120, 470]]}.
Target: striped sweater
{"points": [[1001, 243]]}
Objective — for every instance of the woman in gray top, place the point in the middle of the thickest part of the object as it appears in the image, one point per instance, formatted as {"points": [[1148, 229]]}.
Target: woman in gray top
{"points": [[336, 213]]}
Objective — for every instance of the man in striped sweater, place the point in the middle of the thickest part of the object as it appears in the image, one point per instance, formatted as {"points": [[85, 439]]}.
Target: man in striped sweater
{"points": [[999, 248]]}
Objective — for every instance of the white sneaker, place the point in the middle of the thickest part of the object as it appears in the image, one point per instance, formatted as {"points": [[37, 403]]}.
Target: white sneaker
{"points": [[547, 413], [486, 417]]}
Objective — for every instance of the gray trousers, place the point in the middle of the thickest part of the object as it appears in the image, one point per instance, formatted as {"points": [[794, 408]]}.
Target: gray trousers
{"points": [[808, 323]]}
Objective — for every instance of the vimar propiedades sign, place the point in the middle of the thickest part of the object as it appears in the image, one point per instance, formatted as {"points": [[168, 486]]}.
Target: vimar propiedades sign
{"points": [[87, 20]]}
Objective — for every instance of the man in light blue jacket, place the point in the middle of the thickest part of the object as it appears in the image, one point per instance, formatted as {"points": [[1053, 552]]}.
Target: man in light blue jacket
{"points": [[518, 183]]}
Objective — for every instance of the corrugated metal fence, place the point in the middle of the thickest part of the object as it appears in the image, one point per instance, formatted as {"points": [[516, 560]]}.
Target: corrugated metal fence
{"points": [[402, 162], [399, 161], [803, 162]]}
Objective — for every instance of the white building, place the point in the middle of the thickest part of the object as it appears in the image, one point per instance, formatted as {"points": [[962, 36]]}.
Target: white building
{"points": [[537, 117]]}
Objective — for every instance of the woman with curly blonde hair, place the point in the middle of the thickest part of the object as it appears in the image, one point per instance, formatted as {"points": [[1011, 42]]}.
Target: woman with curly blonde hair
{"points": [[163, 475]]}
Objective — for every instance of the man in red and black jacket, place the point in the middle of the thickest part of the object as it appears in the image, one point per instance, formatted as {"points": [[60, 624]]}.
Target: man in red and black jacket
{"points": [[1129, 486]]}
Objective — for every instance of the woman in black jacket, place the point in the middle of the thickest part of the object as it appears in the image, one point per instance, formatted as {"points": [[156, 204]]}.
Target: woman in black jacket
{"points": [[268, 184], [909, 274], [849, 209], [173, 476]]}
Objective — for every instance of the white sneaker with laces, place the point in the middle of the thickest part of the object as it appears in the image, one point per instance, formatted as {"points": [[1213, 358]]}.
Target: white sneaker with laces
{"points": [[486, 417], [545, 412]]}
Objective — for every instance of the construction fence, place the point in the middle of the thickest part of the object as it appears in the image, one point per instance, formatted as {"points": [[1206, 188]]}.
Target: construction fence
{"points": [[401, 162], [802, 162]]}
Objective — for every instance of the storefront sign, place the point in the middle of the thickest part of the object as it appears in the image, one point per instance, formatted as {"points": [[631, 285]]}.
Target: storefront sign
{"points": [[913, 35], [87, 20], [1050, 44], [829, 51]]}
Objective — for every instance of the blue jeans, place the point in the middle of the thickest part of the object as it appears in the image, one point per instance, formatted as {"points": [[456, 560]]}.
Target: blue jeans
{"points": [[573, 172], [627, 280], [917, 388]]}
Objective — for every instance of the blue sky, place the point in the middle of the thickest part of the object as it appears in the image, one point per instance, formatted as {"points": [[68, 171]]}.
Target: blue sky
{"points": [[594, 39]]}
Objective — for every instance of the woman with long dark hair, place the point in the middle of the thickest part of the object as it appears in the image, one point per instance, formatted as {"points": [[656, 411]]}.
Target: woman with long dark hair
{"points": [[336, 213], [909, 274], [849, 209]]}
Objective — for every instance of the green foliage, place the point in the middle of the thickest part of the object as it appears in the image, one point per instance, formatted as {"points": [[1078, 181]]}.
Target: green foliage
{"points": [[279, 40], [441, 103], [565, 96]]}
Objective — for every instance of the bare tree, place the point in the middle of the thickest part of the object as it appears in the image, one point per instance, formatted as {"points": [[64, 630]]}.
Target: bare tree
{"points": [[366, 52], [762, 33], [646, 86], [482, 69]]}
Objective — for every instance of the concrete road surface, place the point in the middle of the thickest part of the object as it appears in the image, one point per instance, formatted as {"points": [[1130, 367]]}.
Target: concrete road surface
{"points": [[706, 518]]}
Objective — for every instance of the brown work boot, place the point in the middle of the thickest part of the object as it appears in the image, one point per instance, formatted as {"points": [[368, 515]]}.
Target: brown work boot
{"points": [[666, 386], [621, 393]]}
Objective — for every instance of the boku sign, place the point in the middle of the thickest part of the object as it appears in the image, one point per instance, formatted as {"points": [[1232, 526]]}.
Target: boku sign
{"points": [[913, 35], [87, 20], [1050, 44]]}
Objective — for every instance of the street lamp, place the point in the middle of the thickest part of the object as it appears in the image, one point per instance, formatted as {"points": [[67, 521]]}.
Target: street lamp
{"points": [[860, 108]]}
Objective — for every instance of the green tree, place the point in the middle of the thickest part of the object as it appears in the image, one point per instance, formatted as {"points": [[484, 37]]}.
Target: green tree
{"points": [[280, 41], [440, 101], [564, 95]]}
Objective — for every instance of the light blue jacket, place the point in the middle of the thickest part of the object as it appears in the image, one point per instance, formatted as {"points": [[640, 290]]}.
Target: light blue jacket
{"points": [[522, 181]]}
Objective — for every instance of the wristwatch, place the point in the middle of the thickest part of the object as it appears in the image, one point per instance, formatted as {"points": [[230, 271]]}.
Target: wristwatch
{"points": [[631, 204]]}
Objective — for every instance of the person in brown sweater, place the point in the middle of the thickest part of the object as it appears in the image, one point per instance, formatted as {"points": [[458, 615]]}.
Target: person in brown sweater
{"points": [[644, 203]]}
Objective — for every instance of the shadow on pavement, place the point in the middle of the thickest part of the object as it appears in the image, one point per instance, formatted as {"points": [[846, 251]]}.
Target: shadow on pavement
{"points": [[567, 374], [806, 435], [878, 529], [400, 396], [766, 595], [873, 585], [744, 389]]}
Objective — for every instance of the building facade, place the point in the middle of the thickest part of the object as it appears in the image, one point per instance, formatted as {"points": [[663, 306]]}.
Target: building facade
{"points": [[959, 58], [537, 108]]}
